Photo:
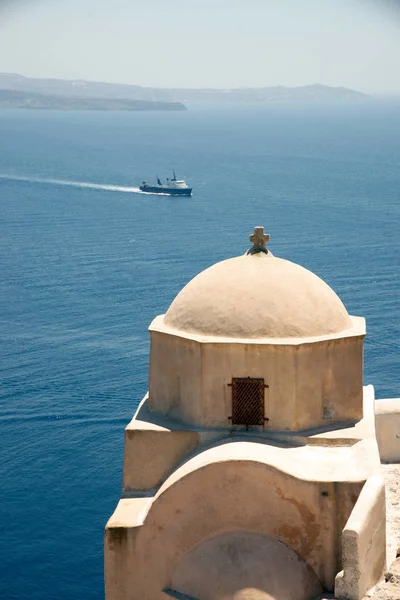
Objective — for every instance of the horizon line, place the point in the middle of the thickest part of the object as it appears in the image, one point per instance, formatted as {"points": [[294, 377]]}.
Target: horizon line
{"points": [[208, 87]]}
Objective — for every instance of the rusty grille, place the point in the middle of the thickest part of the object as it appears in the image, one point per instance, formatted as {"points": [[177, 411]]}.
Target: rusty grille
{"points": [[247, 401]]}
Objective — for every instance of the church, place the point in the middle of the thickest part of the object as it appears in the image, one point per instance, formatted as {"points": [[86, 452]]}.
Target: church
{"points": [[252, 468]]}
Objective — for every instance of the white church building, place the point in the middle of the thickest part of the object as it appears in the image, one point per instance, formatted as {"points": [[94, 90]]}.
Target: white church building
{"points": [[252, 468]]}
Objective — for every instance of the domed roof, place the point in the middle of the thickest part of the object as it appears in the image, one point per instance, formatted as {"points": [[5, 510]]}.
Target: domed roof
{"points": [[257, 296]]}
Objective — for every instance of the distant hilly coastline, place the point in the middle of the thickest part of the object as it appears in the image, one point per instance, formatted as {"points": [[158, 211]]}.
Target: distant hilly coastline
{"points": [[32, 100], [17, 91]]}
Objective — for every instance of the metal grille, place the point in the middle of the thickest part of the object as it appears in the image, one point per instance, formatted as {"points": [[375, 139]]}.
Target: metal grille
{"points": [[247, 401]]}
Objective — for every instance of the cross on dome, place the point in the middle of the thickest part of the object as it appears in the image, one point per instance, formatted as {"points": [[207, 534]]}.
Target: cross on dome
{"points": [[259, 239]]}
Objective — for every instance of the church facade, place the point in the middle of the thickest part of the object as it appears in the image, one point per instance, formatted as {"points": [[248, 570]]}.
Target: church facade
{"points": [[251, 468]]}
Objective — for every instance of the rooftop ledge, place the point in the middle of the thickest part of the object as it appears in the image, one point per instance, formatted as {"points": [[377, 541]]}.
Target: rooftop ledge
{"points": [[347, 433], [357, 329]]}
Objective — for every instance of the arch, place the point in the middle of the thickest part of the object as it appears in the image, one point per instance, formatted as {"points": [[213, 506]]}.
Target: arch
{"points": [[242, 565], [202, 500]]}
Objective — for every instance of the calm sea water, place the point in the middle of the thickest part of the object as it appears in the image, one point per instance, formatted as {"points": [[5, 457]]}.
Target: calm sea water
{"points": [[84, 269]]}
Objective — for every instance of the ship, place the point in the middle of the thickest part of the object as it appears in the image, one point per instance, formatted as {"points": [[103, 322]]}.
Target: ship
{"points": [[172, 187]]}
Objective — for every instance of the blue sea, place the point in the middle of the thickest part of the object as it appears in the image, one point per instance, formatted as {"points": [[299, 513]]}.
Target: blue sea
{"points": [[87, 262]]}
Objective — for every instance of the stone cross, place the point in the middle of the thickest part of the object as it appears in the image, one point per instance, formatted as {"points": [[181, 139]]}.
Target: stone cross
{"points": [[259, 239]]}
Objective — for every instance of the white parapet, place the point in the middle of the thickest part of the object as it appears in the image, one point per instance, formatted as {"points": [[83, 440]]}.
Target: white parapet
{"points": [[363, 543], [387, 418]]}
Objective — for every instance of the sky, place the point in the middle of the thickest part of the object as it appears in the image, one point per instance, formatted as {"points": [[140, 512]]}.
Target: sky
{"points": [[205, 43]]}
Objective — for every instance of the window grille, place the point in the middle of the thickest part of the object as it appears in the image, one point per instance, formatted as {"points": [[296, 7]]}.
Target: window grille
{"points": [[247, 401]]}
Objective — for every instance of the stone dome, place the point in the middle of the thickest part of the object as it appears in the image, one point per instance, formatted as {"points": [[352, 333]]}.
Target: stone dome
{"points": [[257, 296]]}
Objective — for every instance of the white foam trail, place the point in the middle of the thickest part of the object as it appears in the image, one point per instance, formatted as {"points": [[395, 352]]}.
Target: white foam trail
{"points": [[79, 184]]}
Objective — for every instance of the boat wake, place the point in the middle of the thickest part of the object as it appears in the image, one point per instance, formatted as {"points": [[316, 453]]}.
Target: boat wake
{"points": [[78, 184]]}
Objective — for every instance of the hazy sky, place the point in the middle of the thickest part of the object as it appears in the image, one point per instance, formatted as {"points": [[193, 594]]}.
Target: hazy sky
{"points": [[200, 43]]}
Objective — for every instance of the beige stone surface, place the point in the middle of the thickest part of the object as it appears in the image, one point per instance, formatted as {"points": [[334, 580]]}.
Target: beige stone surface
{"points": [[352, 463], [363, 429], [309, 384], [120, 548], [226, 497], [345, 433], [391, 475], [257, 316], [388, 429], [257, 296], [389, 588], [240, 565], [149, 456], [363, 543], [130, 512], [220, 511], [285, 476], [242, 485]]}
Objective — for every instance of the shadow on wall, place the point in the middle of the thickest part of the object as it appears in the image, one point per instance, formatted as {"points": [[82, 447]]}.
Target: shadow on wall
{"points": [[243, 565]]}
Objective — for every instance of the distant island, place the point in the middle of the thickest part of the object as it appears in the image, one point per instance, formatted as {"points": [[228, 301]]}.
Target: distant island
{"points": [[32, 100], [17, 91]]}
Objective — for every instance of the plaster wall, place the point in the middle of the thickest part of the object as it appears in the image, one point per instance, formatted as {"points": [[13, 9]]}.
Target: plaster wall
{"points": [[175, 377], [387, 419], [238, 486], [222, 362], [149, 456], [239, 565], [119, 552], [120, 548], [310, 384], [234, 496], [329, 382]]}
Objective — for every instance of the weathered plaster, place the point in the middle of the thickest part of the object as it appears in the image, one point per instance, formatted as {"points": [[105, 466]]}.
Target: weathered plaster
{"points": [[363, 543], [240, 564], [310, 383], [301, 496], [257, 296], [388, 429]]}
